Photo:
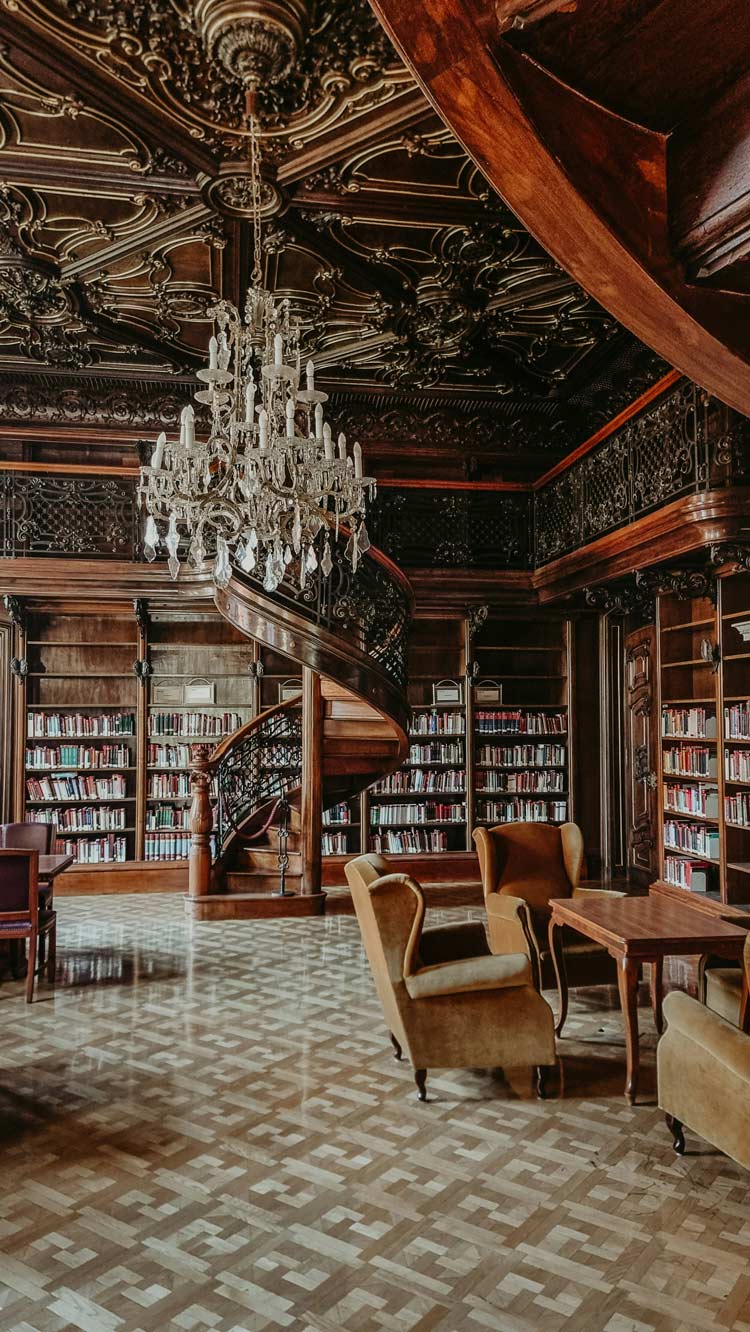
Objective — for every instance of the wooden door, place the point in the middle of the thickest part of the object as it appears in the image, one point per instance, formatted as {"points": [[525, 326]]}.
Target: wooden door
{"points": [[641, 757]]}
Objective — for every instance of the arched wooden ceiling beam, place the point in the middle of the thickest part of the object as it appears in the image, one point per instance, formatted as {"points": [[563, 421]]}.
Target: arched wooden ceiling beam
{"points": [[592, 186]]}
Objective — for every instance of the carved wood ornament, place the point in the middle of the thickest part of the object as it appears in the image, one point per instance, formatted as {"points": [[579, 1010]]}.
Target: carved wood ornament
{"points": [[123, 212]]}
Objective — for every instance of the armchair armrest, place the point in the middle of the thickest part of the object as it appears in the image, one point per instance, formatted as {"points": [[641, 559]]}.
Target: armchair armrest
{"points": [[450, 943], [720, 1039], [590, 894], [472, 973], [509, 921]]}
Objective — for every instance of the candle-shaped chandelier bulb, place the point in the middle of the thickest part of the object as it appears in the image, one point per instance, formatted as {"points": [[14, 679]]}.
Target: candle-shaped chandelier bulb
{"points": [[250, 400], [263, 428], [342, 446], [157, 457], [213, 354], [188, 420], [310, 374], [327, 443], [278, 351], [357, 452], [290, 418], [319, 421]]}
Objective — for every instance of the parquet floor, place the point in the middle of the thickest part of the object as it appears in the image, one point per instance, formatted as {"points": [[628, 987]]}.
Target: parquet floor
{"points": [[207, 1130]]}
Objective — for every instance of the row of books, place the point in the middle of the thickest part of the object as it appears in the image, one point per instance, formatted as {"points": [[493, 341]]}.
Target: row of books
{"points": [[211, 724], [436, 753], [526, 780], [62, 786], [438, 723], [163, 785], [692, 722], [696, 837], [334, 844], [522, 811], [690, 761], [737, 765], [691, 874], [737, 808], [427, 812], [336, 814], [78, 756], [737, 721], [165, 845], [168, 816], [511, 721], [516, 756], [168, 756], [84, 818], [409, 841], [692, 800], [418, 780], [80, 724], [95, 850]]}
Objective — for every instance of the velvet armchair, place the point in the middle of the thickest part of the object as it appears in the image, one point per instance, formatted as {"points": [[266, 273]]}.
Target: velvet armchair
{"points": [[447, 1001], [703, 1070], [523, 866]]}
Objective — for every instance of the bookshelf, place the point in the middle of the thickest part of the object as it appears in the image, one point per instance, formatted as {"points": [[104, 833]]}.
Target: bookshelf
{"points": [[521, 739], [80, 759], [704, 767], [106, 754]]}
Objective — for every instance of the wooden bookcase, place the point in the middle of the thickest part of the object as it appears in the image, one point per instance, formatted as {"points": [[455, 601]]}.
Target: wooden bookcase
{"points": [[704, 759], [473, 762], [105, 721]]}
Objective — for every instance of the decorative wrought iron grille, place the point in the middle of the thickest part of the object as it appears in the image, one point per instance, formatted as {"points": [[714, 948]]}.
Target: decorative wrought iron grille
{"points": [[371, 607], [58, 515], [444, 529], [260, 768]]}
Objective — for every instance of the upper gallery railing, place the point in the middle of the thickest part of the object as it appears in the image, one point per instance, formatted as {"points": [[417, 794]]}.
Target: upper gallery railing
{"points": [[684, 442]]}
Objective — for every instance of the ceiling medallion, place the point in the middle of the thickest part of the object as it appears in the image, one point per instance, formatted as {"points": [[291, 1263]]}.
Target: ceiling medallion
{"points": [[231, 193], [255, 41]]}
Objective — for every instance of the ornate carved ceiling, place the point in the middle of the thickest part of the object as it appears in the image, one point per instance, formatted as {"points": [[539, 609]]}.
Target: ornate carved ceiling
{"points": [[433, 315]]}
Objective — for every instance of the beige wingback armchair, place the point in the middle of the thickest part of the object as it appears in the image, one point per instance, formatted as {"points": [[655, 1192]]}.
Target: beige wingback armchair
{"points": [[447, 1002], [523, 866], [703, 1069]]}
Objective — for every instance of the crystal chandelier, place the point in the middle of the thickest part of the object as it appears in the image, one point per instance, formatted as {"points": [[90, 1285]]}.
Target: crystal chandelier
{"points": [[268, 485]]}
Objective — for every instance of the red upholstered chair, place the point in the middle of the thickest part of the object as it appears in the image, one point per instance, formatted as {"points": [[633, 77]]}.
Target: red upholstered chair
{"points": [[20, 914]]}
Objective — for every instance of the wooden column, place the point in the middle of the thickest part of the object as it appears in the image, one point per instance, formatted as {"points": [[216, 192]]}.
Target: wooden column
{"points": [[312, 781], [19, 669], [469, 746], [141, 728], [201, 822]]}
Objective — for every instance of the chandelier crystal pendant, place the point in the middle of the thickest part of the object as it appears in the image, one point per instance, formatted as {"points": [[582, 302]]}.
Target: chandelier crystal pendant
{"points": [[268, 485]]}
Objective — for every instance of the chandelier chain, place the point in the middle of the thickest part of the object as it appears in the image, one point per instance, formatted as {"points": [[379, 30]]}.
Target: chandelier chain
{"points": [[256, 276]]}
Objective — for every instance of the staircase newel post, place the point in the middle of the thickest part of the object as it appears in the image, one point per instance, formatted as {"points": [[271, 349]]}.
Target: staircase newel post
{"points": [[201, 822], [312, 782]]}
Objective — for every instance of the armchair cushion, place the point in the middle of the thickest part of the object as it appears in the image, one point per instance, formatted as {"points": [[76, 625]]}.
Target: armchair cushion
{"points": [[590, 894], [473, 973], [448, 943]]}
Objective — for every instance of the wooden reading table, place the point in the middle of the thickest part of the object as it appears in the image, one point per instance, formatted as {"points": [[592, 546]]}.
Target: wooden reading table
{"points": [[51, 866], [636, 930]]}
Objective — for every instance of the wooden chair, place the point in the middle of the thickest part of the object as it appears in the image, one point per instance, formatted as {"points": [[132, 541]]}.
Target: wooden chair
{"points": [[39, 837], [523, 865], [20, 914]]}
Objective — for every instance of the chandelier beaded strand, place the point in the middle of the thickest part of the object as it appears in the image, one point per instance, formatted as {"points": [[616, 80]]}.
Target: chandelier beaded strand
{"points": [[268, 485]]}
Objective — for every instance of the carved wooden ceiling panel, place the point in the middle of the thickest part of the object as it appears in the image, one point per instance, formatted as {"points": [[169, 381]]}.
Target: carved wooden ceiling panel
{"points": [[123, 212]]}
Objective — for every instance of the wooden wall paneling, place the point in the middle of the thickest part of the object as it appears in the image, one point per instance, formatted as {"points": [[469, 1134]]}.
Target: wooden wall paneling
{"points": [[641, 753], [312, 781]]}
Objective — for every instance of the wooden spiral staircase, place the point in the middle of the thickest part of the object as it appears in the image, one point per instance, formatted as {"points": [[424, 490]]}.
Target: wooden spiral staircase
{"points": [[347, 728]]}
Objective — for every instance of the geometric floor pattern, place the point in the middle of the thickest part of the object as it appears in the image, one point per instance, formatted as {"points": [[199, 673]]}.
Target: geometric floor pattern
{"points": [[203, 1128]]}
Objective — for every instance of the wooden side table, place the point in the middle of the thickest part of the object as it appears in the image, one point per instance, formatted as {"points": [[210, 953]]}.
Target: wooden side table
{"points": [[636, 930]]}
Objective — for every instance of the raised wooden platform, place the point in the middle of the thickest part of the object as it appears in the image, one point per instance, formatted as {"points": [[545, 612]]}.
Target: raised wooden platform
{"points": [[253, 906]]}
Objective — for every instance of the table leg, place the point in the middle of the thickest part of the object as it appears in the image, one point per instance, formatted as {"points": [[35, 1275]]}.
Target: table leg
{"points": [[558, 962], [627, 980], [657, 991]]}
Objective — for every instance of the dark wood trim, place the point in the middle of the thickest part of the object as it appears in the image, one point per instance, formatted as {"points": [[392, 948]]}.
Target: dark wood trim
{"points": [[312, 781]]}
